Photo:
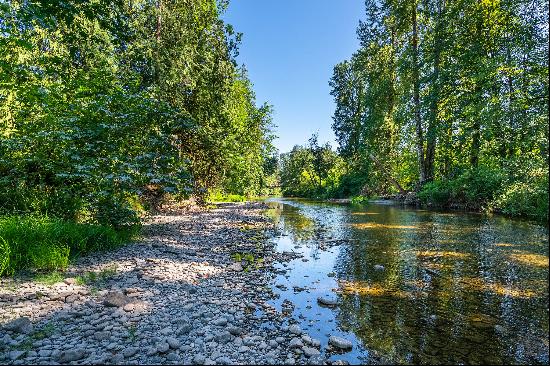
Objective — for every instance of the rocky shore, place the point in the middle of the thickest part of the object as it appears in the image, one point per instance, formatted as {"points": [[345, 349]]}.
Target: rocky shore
{"points": [[193, 290]]}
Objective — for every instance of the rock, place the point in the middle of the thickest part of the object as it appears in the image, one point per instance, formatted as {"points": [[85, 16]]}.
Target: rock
{"points": [[340, 343], [327, 301], [199, 360], [309, 352], [173, 342], [223, 361], [116, 299], [15, 355], [316, 360], [221, 322], [295, 343], [237, 267], [295, 329], [379, 267], [236, 331], [100, 336], [279, 339], [71, 355], [70, 281], [20, 325], [223, 337], [340, 362], [71, 298], [162, 347], [130, 351]]}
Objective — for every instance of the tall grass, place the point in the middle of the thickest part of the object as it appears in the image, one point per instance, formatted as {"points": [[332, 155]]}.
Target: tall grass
{"points": [[44, 244]]}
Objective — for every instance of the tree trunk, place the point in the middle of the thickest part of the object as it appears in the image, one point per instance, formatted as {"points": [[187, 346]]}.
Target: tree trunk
{"points": [[433, 124], [416, 98]]}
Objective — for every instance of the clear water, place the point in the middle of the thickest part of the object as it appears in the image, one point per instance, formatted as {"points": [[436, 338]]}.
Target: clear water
{"points": [[455, 288]]}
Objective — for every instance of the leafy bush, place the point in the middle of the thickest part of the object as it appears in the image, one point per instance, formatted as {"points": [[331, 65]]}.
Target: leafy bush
{"points": [[472, 189], [359, 200], [527, 198], [42, 243]]}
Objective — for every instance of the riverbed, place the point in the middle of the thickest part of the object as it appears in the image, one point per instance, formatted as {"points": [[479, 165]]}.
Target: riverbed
{"points": [[414, 286]]}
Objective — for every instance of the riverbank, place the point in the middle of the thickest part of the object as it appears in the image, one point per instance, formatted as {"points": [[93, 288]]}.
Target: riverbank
{"points": [[176, 296]]}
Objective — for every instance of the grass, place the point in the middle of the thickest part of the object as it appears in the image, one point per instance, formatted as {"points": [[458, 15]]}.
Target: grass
{"points": [[49, 278], [44, 244], [89, 278], [220, 197]]}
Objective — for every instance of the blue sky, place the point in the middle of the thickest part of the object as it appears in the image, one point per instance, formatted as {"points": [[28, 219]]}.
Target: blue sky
{"points": [[289, 48]]}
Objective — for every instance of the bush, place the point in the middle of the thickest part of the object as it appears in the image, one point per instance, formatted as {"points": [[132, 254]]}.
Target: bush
{"points": [[42, 243], [473, 189], [528, 198]]}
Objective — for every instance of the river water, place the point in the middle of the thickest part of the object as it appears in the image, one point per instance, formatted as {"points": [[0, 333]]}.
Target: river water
{"points": [[415, 286]]}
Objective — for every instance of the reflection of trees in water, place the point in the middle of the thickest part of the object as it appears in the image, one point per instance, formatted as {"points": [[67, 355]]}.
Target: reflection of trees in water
{"points": [[304, 221], [425, 307]]}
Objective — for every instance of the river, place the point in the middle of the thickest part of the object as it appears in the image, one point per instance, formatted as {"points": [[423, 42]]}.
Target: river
{"points": [[414, 286]]}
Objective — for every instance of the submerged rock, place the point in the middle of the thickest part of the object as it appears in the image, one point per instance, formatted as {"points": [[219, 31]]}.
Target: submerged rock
{"points": [[340, 343], [327, 301]]}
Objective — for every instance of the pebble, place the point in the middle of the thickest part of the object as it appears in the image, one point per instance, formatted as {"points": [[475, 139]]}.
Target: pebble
{"points": [[295, 329]]}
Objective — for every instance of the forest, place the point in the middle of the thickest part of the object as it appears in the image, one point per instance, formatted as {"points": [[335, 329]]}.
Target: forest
{"points": [[107, 108], [447, 100]]}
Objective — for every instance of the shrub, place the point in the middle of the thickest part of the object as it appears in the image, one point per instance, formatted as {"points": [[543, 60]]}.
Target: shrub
{"points": [[525, 198], [44, 244]]}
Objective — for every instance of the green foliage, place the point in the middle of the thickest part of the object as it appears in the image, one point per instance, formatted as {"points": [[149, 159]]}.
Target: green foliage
{"points": [[449, 99], [218, 196], [106, 104], [357, 200], [46, 244], [311, 171], [49, 278], [527, 197]]}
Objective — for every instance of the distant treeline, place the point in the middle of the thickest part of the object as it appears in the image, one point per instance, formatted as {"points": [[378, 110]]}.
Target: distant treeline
{"points": [[447, 99]]}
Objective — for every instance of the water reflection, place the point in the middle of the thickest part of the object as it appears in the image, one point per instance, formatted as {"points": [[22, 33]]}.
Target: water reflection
{"points": [[418, 286]]}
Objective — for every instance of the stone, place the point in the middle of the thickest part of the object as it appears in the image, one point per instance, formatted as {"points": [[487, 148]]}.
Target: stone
{"points": [[340, 343], [316, 360], [199, 360], [223, 337], [71, 355], [130, 351], [173, 342], [100, 336], [221, 322], [295, 343], [309, 352], [340, 362], [71, 298], [236, 331], [70, 281], [327, 301], [116, 299], [237, 267], [162, 347], [279, 339], [295, 329], [15, 355], [20, 325], [379, 267]]}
